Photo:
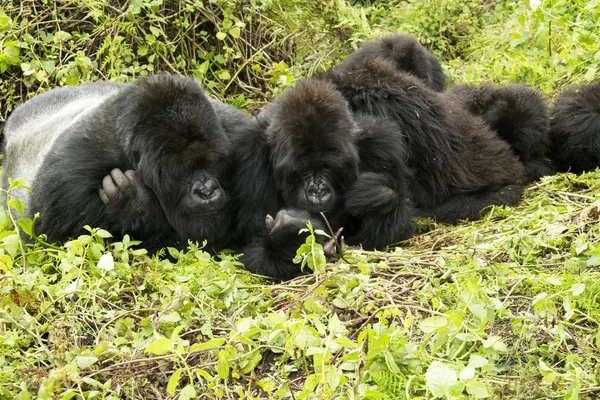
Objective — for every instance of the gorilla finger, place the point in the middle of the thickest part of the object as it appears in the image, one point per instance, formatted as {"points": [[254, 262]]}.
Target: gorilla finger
{"points": [[269, 222], [120, 179], [329, 248], [130, 174], [103, 196], [110, 189]]}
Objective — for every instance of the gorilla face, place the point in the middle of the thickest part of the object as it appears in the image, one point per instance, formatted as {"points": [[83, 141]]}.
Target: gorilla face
{"points": [[312, 137], [181, 153]]}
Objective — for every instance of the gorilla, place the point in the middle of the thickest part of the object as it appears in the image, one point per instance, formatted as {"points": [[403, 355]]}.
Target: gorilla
{"points": [[405, 53], [575, 129], [517, 114], [307, 154], [149, 158], [457, 165]]}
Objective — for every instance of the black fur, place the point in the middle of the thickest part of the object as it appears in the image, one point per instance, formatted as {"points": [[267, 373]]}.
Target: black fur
{"points": [[575, 129], [163, 127], [458, 166], [405, 53], [308, 152], [519, 115]]}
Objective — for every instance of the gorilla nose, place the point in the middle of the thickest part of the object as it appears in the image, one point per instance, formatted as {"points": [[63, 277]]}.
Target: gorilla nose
{"points": [[206, 191], [319, 193]]}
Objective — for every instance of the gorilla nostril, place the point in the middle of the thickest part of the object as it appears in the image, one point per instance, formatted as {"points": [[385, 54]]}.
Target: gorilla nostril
{"points": [[318, 194], [206, 190]]}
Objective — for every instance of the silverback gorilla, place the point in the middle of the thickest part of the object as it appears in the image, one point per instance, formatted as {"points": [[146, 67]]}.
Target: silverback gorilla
{"points": [[575, 129], [150, 159]]}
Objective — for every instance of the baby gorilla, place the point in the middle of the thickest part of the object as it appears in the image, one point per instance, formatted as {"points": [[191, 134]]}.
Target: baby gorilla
{"points": [[575, 129], [67, 141]]}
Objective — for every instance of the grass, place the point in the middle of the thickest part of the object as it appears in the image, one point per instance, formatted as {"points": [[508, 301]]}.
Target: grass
{"points": [[504, 308]]}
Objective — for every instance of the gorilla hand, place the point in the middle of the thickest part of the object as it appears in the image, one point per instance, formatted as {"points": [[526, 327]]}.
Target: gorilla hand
{"points": [[131, 203], [380, 210], [113, 183], [273, 254]]}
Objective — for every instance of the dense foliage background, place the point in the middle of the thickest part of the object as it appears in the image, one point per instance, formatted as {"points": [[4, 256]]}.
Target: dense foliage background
{"points": [[504, 308]]}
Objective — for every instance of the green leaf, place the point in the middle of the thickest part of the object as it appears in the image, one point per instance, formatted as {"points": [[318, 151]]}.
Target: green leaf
{"points": [[440, 378], [432, 324], [477, 389], [223, 365], [235, 32], [211, 344], [61, 36], [160, 347], [173, 381], [156, 31], [16, 204], [223, 74], [171, 317], [577, 289], [84, 362], [104, 234], [553, 281], [27, 225], [221, 35], [187, 393], [347, 343], [478, 361], [106, 262]]}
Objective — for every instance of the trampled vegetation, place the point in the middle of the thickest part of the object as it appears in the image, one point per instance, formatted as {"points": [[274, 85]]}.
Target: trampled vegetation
{"points": [[502, 308]]}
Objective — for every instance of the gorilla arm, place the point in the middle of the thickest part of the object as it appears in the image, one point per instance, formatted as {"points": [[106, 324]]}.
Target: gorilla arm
{"points": [[378, 202], [65, 192]]}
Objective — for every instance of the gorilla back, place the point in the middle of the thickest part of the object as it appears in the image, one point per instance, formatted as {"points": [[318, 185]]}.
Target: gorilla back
{"points": [[67, 141]]}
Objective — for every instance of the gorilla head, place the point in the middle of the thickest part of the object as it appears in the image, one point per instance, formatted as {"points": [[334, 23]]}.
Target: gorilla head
{"points": [[313, 152], [173, 137], [404, 53]]}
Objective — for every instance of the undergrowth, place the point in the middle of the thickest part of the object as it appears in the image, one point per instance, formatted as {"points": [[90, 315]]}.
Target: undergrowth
{"points": [[505, 308]]}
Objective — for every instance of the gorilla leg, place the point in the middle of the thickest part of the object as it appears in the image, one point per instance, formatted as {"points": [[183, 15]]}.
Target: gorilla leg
{"points": [[517, 114], [378, 206], [473, 205]]}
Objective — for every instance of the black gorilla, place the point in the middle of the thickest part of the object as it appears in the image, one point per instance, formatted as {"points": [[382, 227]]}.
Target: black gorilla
{"points": [[69, 141], [458, 165], [308, 153], [405, 53], [575, 129], [518, 114]]}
